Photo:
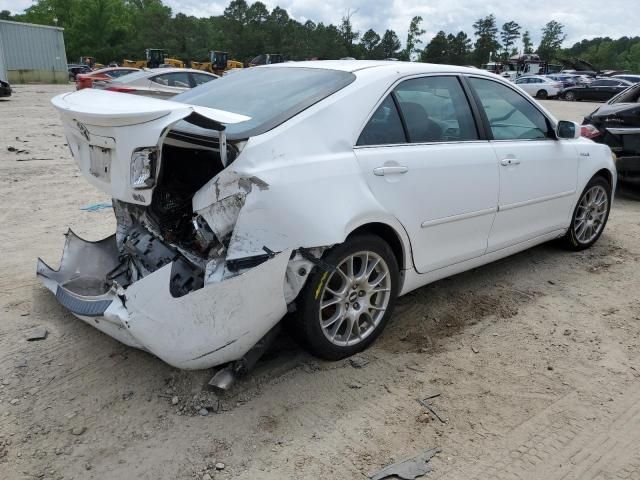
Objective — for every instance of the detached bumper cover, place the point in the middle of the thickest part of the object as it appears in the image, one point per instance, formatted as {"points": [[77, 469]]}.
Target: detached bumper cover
{"points": [[216, 324]]}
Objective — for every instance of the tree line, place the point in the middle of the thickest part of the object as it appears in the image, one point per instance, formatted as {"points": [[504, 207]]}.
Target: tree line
{"points": [[111, 30]]}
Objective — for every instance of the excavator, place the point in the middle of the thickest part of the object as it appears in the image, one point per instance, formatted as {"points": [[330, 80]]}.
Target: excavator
{"points": [[155, 57], [218, 63]]}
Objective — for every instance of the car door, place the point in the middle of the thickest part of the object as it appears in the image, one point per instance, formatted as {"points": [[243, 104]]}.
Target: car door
{"points": [[427, 163], [525, 84], [538, 173]]}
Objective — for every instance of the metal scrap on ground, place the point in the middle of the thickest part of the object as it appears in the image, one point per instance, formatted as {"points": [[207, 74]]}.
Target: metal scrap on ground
{"points": [[408, 469]]}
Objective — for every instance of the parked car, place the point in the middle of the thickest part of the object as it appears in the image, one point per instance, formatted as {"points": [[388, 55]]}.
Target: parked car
{"points": [[600, 89], [629, 77], [539, 86], [567, 80], [5, 89], [86, 80], [617, 124], [325, 187], [76, 69], [158, 82]]}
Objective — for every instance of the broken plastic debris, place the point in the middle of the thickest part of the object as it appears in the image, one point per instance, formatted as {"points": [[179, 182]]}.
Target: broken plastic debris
{"points": [[39, 333], [94, 207], [408, 469]]}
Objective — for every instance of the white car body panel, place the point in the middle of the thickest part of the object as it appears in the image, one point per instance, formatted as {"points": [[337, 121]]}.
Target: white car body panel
{"points": [[303, 184], [443, 233]]}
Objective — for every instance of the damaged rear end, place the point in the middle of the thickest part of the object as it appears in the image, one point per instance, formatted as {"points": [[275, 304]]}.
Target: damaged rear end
{"points": [[164, 282]]}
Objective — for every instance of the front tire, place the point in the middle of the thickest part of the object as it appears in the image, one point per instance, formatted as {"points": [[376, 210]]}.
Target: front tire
{"points": [[590, 215], [570, 97], [342, 312]]}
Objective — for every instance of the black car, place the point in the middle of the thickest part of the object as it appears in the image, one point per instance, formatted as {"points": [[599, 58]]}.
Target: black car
{"points": [[617, 124], [5, 89], [599, 89]]}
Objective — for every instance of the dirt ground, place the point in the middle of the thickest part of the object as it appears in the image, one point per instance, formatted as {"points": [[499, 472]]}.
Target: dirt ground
{"points": [[536, 359]]}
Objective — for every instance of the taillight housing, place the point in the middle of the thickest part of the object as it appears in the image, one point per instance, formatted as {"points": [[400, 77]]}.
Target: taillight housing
{"points": [[143, 167], [589, 131]]}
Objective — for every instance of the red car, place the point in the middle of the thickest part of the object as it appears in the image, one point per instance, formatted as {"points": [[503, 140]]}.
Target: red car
{"points": [[85, 80]]}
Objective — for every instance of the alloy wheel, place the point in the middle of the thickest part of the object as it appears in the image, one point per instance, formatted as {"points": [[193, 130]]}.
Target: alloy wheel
{"points": [[591, 214], [354, 298]]}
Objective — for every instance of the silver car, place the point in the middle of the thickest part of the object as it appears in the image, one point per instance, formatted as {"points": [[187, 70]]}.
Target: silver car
{"points": [[157, 82]]}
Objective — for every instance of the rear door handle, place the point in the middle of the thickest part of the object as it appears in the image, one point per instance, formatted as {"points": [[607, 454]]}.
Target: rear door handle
{"points": [[381, 171], [509, 161]]}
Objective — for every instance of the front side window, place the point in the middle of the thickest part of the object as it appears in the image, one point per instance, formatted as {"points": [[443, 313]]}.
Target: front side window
{"points": [[384, 127], [511, 116], [435, 109]]}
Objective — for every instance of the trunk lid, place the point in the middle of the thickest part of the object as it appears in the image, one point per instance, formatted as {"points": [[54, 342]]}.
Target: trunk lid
{"points": [[104, 129]]}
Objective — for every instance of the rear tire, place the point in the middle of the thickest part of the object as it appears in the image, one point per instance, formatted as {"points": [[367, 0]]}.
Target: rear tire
{"points": [[542, 95], [341, 313], [570, 97], [590, 215]]}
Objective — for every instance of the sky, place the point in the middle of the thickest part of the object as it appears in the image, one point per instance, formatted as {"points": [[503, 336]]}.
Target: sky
{"points": [[581, 18]]}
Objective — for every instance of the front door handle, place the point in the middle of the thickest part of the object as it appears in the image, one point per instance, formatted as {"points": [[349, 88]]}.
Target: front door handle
{"points": [[509, 161], [381, 171]]}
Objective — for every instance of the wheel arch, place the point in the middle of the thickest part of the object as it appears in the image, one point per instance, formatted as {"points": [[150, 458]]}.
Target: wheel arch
{"points": [[606, 174], [401, 249]]}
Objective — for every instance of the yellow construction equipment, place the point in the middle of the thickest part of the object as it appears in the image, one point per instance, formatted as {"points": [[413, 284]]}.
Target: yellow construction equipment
{"points": [[155, 57], [218, 63], [90, 62]]}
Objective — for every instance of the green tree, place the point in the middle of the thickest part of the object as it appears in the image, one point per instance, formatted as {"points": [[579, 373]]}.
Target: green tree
{"points": [[348, 34], [437, 50], [509, 34], [459, 48], [413, 38], [552, 38], [370, 43], [390, 44], [486, 44], [527, 44]]}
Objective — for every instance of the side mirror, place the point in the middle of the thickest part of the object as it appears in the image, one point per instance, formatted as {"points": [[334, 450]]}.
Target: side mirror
{"points": [[567, 129]]}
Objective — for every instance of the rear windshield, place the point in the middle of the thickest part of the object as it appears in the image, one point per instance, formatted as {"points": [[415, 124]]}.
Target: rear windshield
{"points": [[269, 95]]}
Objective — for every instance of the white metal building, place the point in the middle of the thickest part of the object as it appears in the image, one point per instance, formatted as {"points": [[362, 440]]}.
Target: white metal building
{"points": [[32, 53]]}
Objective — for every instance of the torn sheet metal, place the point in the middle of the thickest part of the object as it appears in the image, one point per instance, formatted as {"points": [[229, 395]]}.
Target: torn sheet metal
{"points": [[408, 469], [216, 324]]}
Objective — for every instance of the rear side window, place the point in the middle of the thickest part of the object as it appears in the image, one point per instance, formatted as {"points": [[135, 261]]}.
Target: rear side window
{"points": [[177, 79], [384, 127], [511, 116], [435, 109], [200, 78]]}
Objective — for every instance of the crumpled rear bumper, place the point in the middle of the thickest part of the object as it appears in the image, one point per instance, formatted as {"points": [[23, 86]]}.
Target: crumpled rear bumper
{"points": [[210, 326]]}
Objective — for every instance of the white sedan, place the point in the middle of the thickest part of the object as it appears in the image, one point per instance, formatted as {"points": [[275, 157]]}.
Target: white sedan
{"points": [[539, 86], [161, 83], [326, 189]]}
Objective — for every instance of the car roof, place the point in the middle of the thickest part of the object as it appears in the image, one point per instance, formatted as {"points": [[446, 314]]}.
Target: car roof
{"points": [[357, 65]]}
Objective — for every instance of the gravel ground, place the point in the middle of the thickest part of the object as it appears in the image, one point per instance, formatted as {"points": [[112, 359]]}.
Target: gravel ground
{"points": [[535, 359]]}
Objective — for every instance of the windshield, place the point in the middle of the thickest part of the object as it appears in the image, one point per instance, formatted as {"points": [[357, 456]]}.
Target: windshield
{"points": [[630, 95], [270, 95]]}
